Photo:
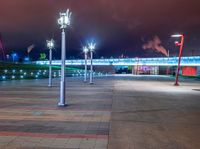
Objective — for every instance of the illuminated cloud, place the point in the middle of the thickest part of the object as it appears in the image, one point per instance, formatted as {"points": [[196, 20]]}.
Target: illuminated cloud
{"points": [[30, 48], [155, 45]]}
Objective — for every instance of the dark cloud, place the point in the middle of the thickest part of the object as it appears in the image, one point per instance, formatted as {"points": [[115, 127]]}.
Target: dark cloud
{"points": [[116, 25]]}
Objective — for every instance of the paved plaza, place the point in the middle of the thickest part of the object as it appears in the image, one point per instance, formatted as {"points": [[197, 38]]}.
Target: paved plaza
{"points": [[121, 112]]}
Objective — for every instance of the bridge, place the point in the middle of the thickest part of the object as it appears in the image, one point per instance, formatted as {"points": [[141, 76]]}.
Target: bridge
{"points": [[163, 61]]}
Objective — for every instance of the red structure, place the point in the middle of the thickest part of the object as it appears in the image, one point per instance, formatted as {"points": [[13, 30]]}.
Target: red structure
{"points": [[180, 54], [2, 47]]}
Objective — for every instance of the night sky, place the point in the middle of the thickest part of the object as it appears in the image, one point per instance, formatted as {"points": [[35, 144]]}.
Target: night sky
{"points": [[118, 26]]}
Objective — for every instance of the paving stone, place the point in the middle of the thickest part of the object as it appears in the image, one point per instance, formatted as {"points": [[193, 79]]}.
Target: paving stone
{"points": [[73, 143], [147, 112], [87, 143]]}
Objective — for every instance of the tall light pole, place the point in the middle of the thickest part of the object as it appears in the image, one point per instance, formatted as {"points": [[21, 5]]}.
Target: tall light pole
{"points": [[50, 45], [64, 21], [91, 47], [180, 54], [85, 50]]}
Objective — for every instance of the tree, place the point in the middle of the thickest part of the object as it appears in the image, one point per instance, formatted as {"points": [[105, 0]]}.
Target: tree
{"points": [[42, 56]]}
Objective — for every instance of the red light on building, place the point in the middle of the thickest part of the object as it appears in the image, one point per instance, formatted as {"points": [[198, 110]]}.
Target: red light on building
{"points": [[189, 71]]}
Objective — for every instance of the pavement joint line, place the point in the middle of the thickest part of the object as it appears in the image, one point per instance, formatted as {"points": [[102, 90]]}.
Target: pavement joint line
{"points": [[56, 109], [45, 135]]}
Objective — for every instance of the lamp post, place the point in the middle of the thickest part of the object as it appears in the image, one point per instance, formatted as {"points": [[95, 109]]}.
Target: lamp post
{"points": [[85, 50], [91, 48], [138, 60], [168, 67], [50, 45], [63, 21], [180, 54]]}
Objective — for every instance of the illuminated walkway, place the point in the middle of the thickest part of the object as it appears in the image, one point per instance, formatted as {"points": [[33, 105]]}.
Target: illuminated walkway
{"points": [[131, 112]]}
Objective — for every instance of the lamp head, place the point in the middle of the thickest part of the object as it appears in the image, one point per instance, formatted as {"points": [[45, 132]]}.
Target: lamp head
{"points": [[91, 46], [85, 50], [177, 43], [177, 35], [64, 19], [50, 44]]}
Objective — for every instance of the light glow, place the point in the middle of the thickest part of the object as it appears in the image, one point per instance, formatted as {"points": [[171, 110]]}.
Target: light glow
{"points": [[85, 50], [50, 44], [91, 46], [177, 35]]}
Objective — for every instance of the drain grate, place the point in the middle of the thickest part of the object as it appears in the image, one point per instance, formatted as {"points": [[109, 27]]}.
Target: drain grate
{"points": [[196, 90]]}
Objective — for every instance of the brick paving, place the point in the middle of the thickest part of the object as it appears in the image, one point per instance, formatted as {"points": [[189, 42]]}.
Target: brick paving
{"points": [[29, 117], [137, 112]]}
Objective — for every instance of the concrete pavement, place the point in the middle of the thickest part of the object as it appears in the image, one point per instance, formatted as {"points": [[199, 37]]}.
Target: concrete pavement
{"points": [[151, 113]]}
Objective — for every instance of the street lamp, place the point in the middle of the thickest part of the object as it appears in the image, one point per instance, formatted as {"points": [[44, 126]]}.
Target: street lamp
{"points": [[50, 45], [180, 54], [91, 47], [85, 50], [63, 21]]}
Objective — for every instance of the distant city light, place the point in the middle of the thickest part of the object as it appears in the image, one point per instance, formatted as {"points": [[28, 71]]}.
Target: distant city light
{"points": [[14, 56], [26, 59]]}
